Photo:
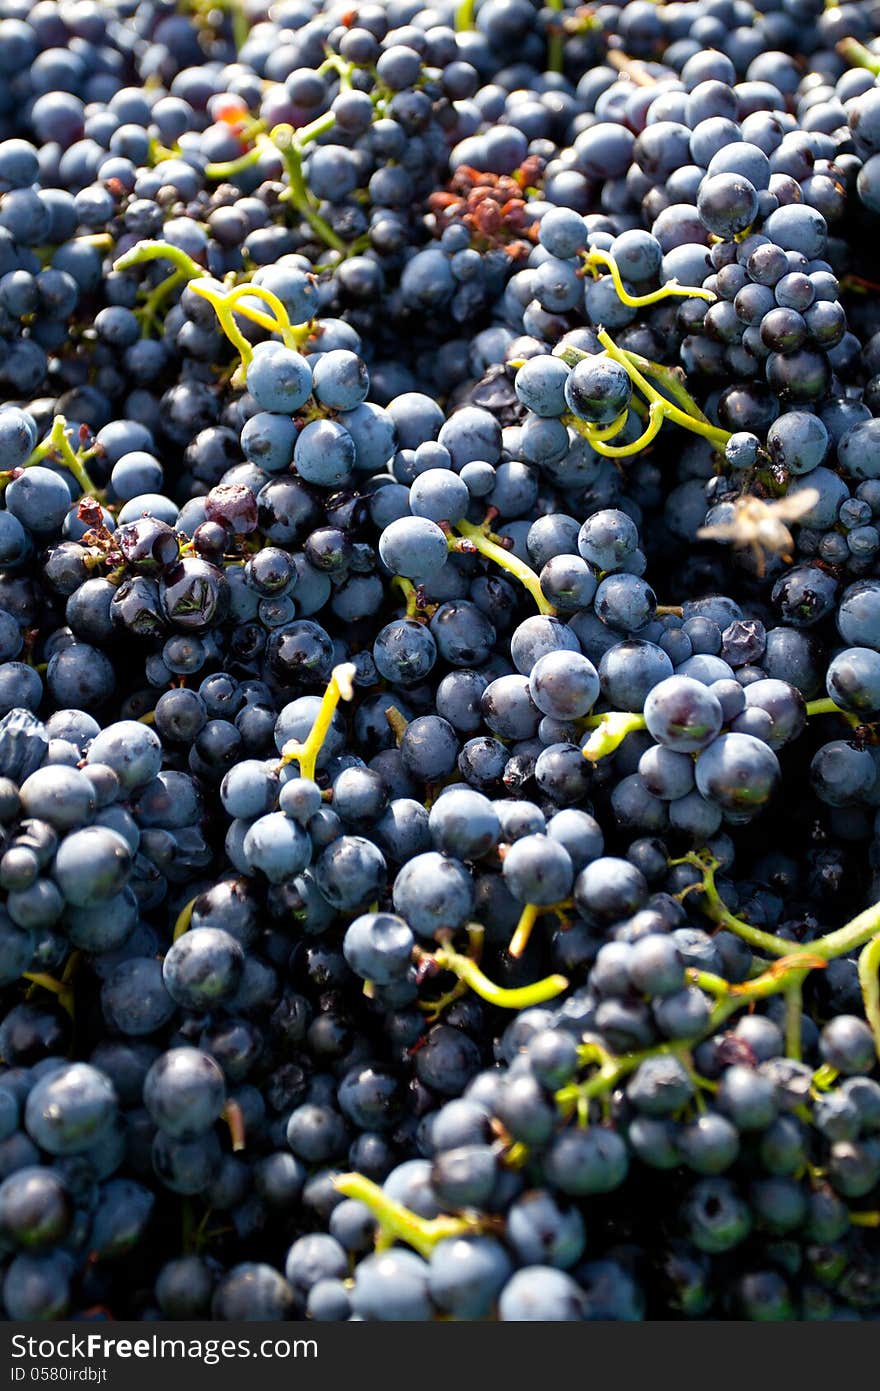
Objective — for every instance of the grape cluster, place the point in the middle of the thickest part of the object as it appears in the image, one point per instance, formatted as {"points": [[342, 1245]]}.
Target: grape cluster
{"points": [[439, 660]]}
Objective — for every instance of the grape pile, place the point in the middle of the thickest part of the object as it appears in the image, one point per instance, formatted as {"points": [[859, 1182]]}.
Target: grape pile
{"points": [[439, 660]]}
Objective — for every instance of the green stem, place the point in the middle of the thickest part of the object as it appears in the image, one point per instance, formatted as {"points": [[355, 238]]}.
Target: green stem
{"points": [[240, 25], [287, 143], [233, 1115], [339, 687], [825, 1077], [409, 592], [333, 63], [61, 989], [524, 997], [185, 268], [610, 730], [514, 566], [229, 168], [155, 298], [56, 442], [715, 908], [399, 1223], [828, 707], [672, 412], [158, 251], [793, 1006], [669, 378], [321, 125], [465, 15], [556, 39], [183, 919], [596, 259], [222, 304], [239, 300], [858, 56], [785, 976], [656, 417], [869, 979]]}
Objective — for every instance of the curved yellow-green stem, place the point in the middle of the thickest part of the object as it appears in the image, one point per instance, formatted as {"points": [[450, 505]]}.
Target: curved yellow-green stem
{"points": [[523, 931], [289, 144], [672, 412], [524, 997], [715, 908], [219, 300], [783, 976], [399, 1223], [610, 730], [656, 416], [292, 337], [56, 442], [234, 1118], [794, 999], [183, 920], [229, 168], [555, 40], [677, 405], [869, 979], [514, 566], [670, 379], [339, 687], [596, 258], [600, 432]]}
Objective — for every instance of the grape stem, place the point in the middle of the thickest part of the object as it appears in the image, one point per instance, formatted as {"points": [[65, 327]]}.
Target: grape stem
{"points": [[869, 979], [610, 730], [681, 410], [858, 55], [289, 145], [784, 976], [399, 1223], [56, 442], [715, 908], [634, 69], [465, 16], [828, 707], [523, 997], [146, 251], [555, 38], [339, 687], [59, 988], [520, 939], [234, 1118], [185, 268], [184, 919], [397, 723], [794, 997], [410, 594], [595, 260], [479, 541]]}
